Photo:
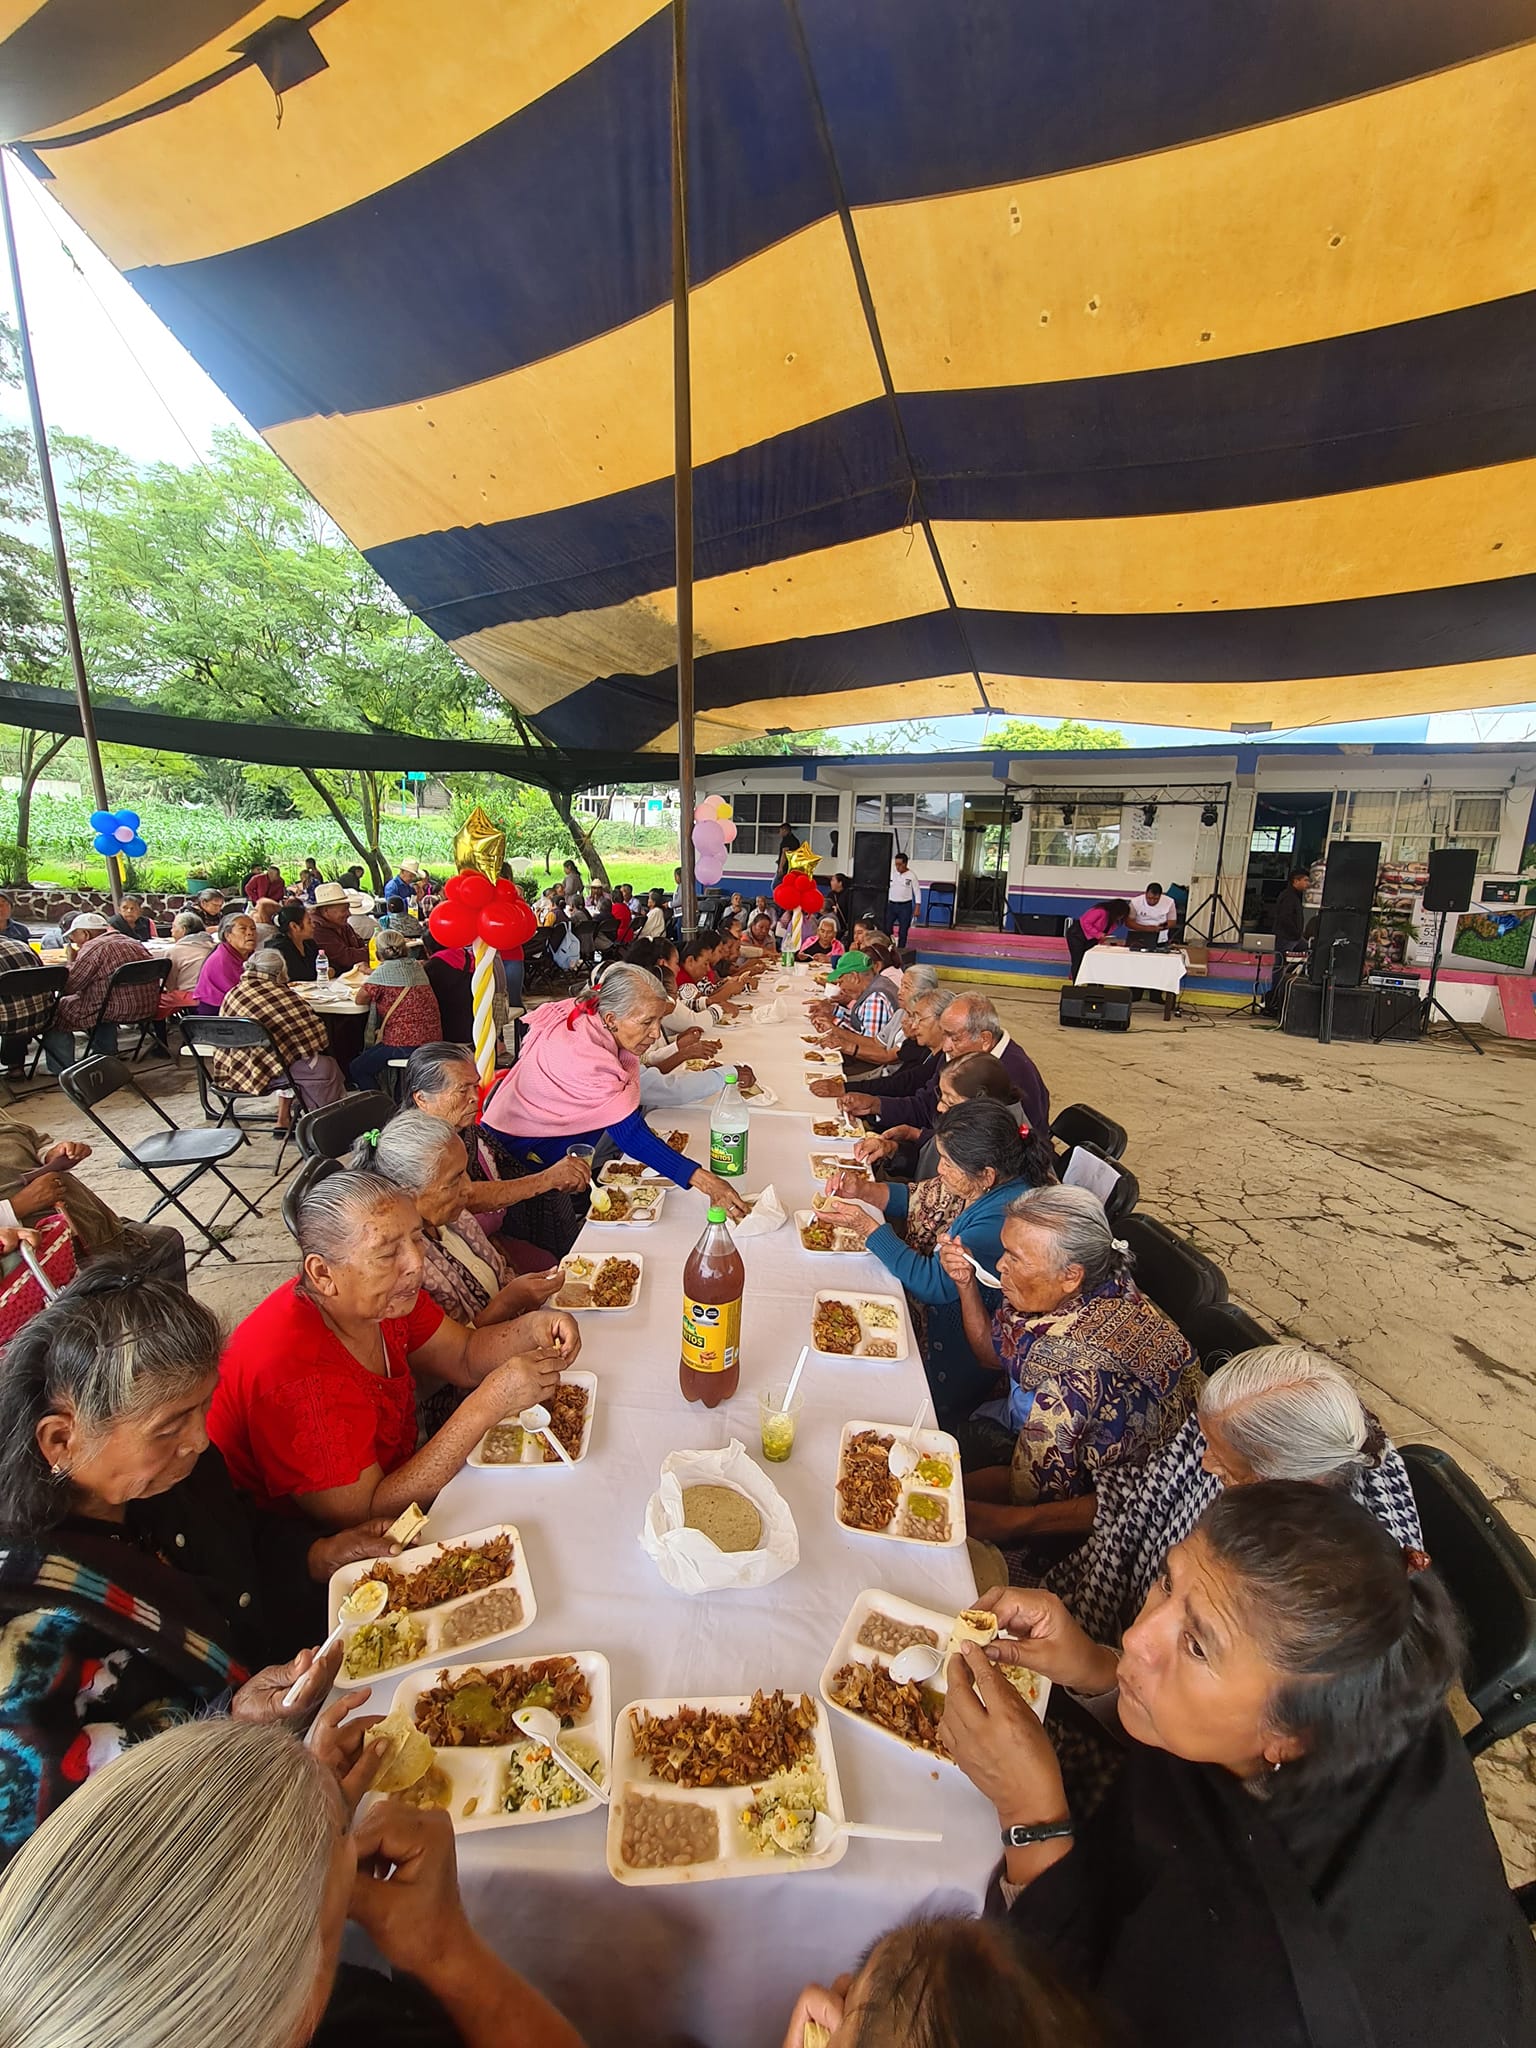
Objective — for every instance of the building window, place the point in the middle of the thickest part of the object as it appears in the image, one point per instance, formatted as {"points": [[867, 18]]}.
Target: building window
{"points": [[1412, 823], [923, 822], [761, 816], [1074, 828], [1272, 839]]}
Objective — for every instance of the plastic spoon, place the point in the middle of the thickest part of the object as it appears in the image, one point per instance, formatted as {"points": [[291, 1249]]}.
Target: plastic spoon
{"points": [[987, 1279], [827, 1832], [541, 1725], [536, 1421], [916, 1664], [366, 1602], [904, 1456]]}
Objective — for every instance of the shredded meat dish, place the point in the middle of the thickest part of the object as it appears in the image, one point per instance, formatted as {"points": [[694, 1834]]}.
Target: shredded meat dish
{"points": [[461, 1568], [697, 1746], [816, 1237], [567, 1418], [865, 1486], [870, 1690], [836, 1329], [615, 1283], [474, 1710], [623, 1169]]}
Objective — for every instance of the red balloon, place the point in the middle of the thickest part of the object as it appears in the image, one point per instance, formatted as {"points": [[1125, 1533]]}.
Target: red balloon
{"points": [[500, 926], [505, 886], [471, 888], [526, 919], [786, 894], [451, 924]]}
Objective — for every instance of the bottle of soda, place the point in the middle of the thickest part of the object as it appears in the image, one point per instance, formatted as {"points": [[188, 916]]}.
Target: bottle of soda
{"points": [[714, 1281], [728, 1131]]}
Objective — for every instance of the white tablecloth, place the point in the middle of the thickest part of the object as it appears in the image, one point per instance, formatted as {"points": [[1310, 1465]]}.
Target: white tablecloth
{"points": [[1120, 967], [721, 1961]]}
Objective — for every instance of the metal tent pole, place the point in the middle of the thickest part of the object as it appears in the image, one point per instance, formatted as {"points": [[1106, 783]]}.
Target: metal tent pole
{"points": [[55, 530], [682, 455]]}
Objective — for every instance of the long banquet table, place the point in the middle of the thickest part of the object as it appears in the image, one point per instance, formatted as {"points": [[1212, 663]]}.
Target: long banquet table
{"points": [[718, 1961]]}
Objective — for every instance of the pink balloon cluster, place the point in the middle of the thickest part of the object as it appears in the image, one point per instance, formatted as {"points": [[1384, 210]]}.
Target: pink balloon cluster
{"points": [[713, 831]]}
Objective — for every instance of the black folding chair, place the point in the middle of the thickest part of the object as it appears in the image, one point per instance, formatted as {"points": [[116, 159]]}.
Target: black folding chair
{"points": [[309, 1174], [94, 1080], [1120, 1199], [330, 1133], [134, 974], [1080, 1124], [37, 986], [1491, 1576], [1221, 1331], [1168, 1268], [206, 1037]]}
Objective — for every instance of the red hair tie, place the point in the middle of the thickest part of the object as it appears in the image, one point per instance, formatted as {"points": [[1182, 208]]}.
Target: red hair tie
{"points": [[584, 1006], [1414, 1561]]}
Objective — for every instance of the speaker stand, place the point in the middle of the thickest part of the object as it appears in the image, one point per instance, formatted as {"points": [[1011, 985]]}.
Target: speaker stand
{"points": [[1431, 1005], [1254, 1007]]}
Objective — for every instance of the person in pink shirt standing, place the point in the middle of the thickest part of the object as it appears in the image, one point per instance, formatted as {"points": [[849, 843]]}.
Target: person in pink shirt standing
{"points": [[1093, 927]]}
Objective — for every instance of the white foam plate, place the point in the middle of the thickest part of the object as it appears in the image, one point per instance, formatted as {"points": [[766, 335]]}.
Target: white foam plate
{"points": [[577, 1263], [805, 1216], [533, 1448], [608, 1178], [630, 1771], [434, 1619], [929, 1443], [854, 1297], [476, 1774], [825, 1164], [845, 1134], [763, 1099], [653, 1193], [849, 1650]]}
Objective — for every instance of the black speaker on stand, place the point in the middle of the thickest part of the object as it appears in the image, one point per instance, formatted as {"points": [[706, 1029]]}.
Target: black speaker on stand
{"points": [[870, 883], [1447, 889]]}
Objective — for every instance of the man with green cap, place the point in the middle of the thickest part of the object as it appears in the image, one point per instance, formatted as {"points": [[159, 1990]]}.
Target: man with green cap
{"points": [[862, 1000]]}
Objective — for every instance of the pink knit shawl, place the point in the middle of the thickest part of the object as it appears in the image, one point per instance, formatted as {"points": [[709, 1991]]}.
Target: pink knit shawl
{"points": [[571, 1075]]}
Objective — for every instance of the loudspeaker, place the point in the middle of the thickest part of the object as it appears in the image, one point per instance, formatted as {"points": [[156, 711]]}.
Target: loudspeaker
{"points": [[873, 853], [1452, 875], [867, 901], [1349, 881], [1347, 964], [1095, 1008], [1354, 1011]]}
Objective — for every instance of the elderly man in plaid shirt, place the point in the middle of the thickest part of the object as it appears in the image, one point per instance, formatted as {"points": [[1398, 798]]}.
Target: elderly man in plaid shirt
{"points": [[22, 1019], [98, 953], [862, 999]]}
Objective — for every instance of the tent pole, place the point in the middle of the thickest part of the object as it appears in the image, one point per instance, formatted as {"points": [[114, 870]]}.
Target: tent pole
{"points": [[682, 455], [55, 530]]}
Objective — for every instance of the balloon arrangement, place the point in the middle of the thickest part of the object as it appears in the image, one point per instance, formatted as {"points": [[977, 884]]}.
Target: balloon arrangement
{"points": [[475, 907], [117, 832], [798, 893], [713, 831]]}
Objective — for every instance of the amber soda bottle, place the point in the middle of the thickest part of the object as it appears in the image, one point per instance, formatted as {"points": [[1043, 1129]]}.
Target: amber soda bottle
{"points": [[714, 1281]]}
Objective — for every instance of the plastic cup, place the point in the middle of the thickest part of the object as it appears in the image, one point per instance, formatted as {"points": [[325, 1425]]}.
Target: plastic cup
{"points": [[777, 1423], [585, 1153]]}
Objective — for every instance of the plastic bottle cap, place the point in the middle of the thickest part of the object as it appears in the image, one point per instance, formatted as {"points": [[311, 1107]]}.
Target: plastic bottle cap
{"points": [[729, 1077], [716, 1213]]}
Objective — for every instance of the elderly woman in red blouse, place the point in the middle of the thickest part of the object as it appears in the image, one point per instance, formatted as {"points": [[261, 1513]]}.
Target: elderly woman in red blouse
{"points": [[316, 1402]]}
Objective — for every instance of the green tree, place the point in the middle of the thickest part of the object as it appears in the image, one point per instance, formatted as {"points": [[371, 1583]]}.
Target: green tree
{"points": [[1022, 736], [769, 745], [224, 590], [534, 826]]}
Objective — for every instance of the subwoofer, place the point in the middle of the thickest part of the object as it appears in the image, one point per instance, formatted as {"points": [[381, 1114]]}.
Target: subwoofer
{"points": [[1452, 876], [1354, 1010], [873, 853], [1338, 951], [1349, 881]]}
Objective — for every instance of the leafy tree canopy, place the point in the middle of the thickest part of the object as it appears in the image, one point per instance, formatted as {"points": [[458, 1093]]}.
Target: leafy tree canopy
{"points": [[1023, 736]]}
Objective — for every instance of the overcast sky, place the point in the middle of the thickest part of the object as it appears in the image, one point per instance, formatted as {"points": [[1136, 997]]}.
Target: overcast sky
{"points": [[108, 368]]}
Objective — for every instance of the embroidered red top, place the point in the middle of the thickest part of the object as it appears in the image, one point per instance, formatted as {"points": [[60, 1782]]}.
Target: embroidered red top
{"points": [[296, 1413]]}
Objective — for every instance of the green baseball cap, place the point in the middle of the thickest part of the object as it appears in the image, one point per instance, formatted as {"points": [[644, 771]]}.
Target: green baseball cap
{"points": [[848, 963]]}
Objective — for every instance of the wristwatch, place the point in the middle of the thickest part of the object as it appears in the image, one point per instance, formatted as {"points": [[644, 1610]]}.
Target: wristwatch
{"points": [[1042, 1831]]}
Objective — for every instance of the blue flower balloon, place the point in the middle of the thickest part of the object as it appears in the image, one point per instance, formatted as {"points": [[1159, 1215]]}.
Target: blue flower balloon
{"points": [[117, 832]]}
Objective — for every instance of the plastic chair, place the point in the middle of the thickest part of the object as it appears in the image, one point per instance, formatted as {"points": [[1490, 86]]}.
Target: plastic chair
{"points": [[1221, 1331], [1169, 1269], [93, 1081], [330, 1133], [221, 1105], [309, 1175], [134, 974], [938, 897], [1115, 1185], [1080, 1124], [1491, 1576]]}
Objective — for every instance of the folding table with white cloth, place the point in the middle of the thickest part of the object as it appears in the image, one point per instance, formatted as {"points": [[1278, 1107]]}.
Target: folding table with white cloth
{"points": [[1126, 967]]}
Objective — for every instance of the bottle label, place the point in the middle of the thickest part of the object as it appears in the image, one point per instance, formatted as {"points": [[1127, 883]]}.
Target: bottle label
{"points": [[711, 1334], [728, 1153]]}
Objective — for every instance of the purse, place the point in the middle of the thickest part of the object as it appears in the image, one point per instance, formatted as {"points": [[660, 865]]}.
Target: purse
{"points": [[30, 1279]]}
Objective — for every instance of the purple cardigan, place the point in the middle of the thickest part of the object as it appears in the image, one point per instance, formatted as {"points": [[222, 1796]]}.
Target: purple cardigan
{"points": [[221, 970]]}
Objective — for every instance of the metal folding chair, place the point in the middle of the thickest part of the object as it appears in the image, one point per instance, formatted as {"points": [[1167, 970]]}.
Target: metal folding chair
{"points": [[309, 1175], [1222, 1331], [1115, 1185], [93, 1081], [330, 1133], [206, 1036], [1174, 1273], [40, 985], [133, 974], [1080, 1124]]}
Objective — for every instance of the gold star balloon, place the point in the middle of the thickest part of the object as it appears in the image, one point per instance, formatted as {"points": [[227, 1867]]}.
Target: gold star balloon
{"points": [[803, 861], [480, 844]]}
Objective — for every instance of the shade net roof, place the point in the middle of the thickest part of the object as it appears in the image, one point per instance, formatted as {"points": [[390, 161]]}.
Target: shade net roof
{"points": [[1172, 363]]}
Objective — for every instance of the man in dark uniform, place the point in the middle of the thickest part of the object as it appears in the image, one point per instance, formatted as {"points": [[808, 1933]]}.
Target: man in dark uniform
{"points": [[1290, 916]]}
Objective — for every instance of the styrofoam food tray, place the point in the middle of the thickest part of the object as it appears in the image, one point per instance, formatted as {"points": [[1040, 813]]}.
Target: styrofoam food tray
{"points": [[763, 1099], [929, 1443], [629, 1771], [652, 1193], [432, 1619], [849, 1650], [825, 1164], [533, 1447], [576, 1264], [607, 1177], [852, 1251], [853, 1297], [477, 1773]]}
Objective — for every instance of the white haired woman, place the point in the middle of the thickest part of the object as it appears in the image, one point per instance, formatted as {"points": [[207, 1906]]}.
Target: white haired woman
{"points": [[262, 996], [1096, 1374], [405, 1009], [1279, 1413], [199, 1890], [578, 1077]]}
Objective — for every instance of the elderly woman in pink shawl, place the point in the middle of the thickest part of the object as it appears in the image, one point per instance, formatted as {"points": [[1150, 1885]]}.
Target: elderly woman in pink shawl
{"points": [[578, 1077]]}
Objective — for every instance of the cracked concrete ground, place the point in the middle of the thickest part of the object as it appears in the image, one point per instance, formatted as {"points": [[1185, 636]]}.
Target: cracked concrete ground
{"points": [[1378, 1202]]}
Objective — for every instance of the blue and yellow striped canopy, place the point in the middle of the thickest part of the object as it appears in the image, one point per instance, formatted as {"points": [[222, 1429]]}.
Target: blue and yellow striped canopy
{"points": [[1159, 360]]}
